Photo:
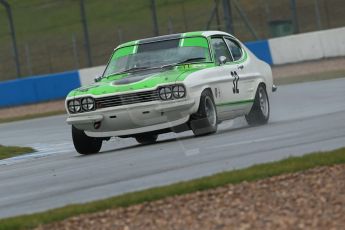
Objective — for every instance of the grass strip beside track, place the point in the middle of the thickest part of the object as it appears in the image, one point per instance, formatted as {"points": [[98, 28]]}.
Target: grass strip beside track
{"points": [[256, 172], [309, 77], [12, 151], [32, 116]]}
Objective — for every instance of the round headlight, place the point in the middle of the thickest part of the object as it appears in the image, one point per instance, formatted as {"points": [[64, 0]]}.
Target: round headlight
{"points": [[165, 93], [70, 106], [77, 106], [74, 106], [88, 104], [179, 91]]}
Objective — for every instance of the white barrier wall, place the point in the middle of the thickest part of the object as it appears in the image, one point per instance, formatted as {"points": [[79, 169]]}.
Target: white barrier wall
{"points": [[333, 42], [88, 75], [308, 46]]}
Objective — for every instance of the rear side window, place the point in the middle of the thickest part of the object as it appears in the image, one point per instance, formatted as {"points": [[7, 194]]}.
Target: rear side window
{"points": [[235, 49], [220, 49]]}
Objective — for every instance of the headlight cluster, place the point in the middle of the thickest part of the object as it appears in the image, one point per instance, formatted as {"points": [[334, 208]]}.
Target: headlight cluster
{"points": [[81, 105], [172, 92]]}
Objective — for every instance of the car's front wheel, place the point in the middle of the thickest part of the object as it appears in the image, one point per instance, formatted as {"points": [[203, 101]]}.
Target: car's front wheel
{"points": [[84, 144], [146, 139], [260, 112], [205, 121]]}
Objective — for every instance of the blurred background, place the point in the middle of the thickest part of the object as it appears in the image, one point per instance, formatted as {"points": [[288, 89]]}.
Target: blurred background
{"points": [[60, 35]]}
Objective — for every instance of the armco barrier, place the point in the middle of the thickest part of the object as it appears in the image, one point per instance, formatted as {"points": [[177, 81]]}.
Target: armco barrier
{"points": [[38, 89], [261, 50]]}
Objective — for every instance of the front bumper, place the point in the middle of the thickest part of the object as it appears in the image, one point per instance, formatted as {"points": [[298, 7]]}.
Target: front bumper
{"points": [[84, 119], [133, 119]]}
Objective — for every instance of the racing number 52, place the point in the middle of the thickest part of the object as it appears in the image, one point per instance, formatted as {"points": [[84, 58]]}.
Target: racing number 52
{"points": [[235, 89]]}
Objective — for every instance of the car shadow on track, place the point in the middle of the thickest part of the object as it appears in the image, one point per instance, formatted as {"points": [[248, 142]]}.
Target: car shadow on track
{"points": [[191, 137], [139, 146]]}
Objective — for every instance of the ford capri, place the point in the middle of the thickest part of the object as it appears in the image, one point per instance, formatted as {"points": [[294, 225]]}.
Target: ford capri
{"points": [[172, 83]]}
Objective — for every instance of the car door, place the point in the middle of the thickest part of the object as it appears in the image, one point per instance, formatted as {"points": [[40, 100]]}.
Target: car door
{"points": [[245, 80], [225, 92]]}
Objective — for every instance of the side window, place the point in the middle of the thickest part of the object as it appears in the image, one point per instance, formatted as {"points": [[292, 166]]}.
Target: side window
{"points": [[235, 49], [220, 49]]}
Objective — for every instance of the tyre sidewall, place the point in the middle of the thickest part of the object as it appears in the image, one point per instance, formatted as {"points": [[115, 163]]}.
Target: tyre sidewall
{"points": [[202, 125], [146, 139], [84, 144], [256, 115]]}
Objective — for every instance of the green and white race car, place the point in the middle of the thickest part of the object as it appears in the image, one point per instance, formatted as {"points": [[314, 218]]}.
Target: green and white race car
{"points": [[173, 83]]}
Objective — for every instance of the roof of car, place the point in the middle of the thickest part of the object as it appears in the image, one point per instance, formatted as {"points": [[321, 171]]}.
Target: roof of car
{"points": [[174, 36]]}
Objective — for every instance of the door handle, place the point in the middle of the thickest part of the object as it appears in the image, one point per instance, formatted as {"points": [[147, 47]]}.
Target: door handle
{"points": [[240, 67]]}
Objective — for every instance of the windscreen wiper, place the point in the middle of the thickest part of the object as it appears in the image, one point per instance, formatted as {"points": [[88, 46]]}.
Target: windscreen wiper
{"points": [[134, 69], [183, 62]]}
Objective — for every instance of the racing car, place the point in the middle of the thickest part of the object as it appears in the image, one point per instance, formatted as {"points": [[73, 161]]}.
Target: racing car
{"points": [[172, 83]]}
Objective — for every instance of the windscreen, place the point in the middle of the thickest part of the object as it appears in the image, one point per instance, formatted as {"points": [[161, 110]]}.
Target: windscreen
{"points": [[159, 53]]}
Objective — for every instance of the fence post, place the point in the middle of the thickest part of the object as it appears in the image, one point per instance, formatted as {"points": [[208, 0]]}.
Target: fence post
{"points": [[75, 52], [170, 26], [228, 16], [13, 35], [28, 59], [294, 15], [246, 20], [120, 35], [267, 10], [214, 13], [49, 59], [184, 17], [217, 14], [86, 33], [154, 18], [317, 14]]}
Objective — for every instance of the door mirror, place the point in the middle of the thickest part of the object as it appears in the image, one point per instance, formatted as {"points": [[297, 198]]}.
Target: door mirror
{"points": [[222, 60], [98, 78]]}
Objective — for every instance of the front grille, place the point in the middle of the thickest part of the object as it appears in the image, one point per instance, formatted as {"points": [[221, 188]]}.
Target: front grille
{"points": [[127, 99]]}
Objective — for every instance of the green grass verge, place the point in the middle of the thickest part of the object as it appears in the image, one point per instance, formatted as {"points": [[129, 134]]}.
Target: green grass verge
{"points": [[32, 116], [289, 165], [12, 151]]}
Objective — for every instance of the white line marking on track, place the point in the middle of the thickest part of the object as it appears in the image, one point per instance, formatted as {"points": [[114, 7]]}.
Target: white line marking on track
{"points": [[192, 152], [42, 150], [255, 141]]}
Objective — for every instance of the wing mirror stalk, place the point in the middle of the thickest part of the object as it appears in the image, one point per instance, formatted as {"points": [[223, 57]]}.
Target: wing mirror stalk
{"points": [[97, 78]]}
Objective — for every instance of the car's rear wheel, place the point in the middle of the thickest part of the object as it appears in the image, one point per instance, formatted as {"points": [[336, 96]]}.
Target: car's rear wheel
{"points": [[84, 144], [260, 112], [146, 139], [205, 121]]}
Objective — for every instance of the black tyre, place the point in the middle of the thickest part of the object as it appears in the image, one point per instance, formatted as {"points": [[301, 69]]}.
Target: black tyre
{"points": [[260, 112], [146, 139], [205, 121], [84, 144]]}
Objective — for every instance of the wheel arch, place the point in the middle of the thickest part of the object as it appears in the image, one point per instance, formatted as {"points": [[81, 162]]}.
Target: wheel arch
{"points": [[257, 84], [263, 84], [196, 94]]}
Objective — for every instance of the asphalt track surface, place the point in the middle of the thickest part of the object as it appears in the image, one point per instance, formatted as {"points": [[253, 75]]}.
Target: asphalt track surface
{"points": [[305, 117]]}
